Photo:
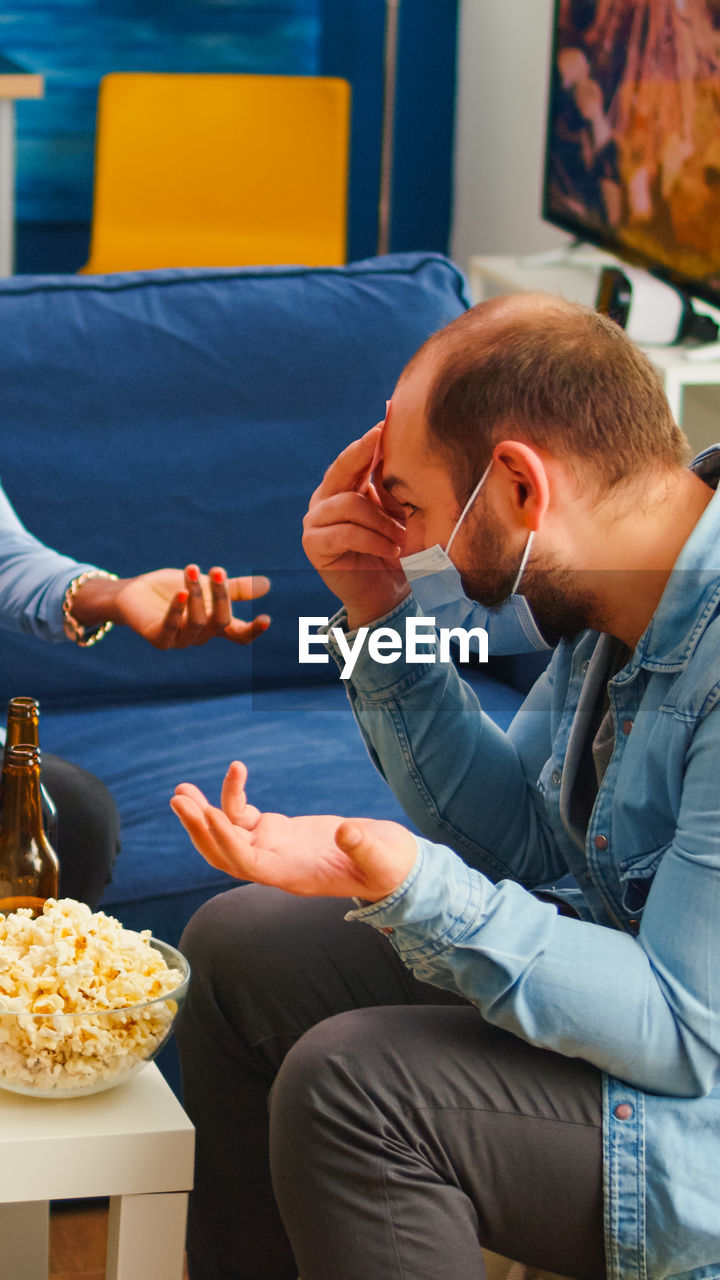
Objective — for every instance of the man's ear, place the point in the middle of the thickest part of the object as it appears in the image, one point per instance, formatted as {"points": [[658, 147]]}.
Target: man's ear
{"points": [[523, 478]]}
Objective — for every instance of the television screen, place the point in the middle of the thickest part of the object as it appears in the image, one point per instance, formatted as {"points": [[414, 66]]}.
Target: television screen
{"points": [[632, 157]]}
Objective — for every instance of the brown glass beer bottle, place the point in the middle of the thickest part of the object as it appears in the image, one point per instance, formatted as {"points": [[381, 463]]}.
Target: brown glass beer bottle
{"points": [[28, 863], [22, 727]]}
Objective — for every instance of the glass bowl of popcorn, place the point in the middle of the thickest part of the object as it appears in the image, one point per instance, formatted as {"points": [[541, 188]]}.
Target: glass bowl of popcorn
{"points": [[84, 1002]]}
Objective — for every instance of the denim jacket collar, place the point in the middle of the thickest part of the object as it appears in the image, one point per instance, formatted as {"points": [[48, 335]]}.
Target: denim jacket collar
{"points": [[682, 615]]}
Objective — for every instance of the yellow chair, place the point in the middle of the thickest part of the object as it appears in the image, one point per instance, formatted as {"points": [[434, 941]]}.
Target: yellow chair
{"points": [[219, 170]]}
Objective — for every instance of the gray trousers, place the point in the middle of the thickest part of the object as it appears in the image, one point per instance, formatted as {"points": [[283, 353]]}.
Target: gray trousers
{"points": [[356, 1124]]}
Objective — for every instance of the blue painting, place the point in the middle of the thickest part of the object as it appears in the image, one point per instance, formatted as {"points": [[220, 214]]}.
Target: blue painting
{"points": [[73, 43]]}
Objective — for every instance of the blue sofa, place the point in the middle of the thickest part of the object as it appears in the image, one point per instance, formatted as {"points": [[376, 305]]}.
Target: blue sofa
{"points": [[158, 417]]}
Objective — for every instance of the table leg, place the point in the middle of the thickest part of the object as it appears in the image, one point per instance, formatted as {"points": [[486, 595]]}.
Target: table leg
{"points": [[7, 186], [146, 1236], [25, 1233]]}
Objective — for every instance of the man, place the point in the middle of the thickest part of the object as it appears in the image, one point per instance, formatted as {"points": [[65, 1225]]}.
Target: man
{"points": [[544, 1084], [53, 597]]}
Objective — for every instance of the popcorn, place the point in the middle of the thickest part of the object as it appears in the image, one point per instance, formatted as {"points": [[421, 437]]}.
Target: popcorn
{"points": [[71, 961]]}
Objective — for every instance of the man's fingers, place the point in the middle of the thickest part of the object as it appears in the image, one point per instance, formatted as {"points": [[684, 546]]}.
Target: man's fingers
{"points": [[368, 858], [352, 839], [232, 849], [235, 779], [187, 810], [349, 523], [355, 508], [384, 497], [189, 791], [208, 838], [220, 842], [233, 799], [329, 546], [350, 468], [377, 455], [382, 853]]}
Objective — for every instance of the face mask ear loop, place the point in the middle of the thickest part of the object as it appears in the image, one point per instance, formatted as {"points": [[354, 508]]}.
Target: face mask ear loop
{"points": [[467, 506], [523, 562]]}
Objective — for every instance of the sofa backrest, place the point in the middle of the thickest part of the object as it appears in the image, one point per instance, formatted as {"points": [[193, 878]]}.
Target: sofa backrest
{"points": [[158, 417]]}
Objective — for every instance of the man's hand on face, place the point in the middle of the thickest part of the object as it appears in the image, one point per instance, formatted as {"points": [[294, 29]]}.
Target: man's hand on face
{"points": [[320, 856], [354, 535]]}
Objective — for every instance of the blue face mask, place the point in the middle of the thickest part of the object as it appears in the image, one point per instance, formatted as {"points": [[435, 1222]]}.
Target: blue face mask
{"points": [[437, 587]]}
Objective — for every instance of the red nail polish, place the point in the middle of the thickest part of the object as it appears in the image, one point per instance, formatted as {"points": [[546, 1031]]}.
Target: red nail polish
{"points": [[218, 576], [193, 574], [182, 597]]}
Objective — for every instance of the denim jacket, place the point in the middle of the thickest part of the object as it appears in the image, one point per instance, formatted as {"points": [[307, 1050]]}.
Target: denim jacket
{"points": [[635, 986]]}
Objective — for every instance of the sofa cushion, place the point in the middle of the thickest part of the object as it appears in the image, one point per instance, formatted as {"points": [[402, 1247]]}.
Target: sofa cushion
{"points": [[178, 415]]}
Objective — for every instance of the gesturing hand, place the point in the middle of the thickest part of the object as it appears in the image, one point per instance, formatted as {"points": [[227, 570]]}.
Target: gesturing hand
{"points": [[324, 856], [353, 538], [174, 608]]}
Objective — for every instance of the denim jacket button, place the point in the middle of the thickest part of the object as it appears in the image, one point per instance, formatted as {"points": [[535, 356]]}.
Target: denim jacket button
{"points": [[601, 842], [386, 929], [623, 1111], [556, 777], [627, 726], [584, 666]]}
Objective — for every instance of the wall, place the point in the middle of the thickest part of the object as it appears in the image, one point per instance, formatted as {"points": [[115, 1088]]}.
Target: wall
{"points": [[352, 46], [503, 70], [74, 42]]}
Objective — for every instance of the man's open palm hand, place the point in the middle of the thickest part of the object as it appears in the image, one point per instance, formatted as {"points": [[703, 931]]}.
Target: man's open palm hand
{"points": [[322, 855]]}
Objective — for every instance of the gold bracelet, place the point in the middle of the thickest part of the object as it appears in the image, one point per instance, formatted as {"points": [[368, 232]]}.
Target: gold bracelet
{"points": [[74, 630]]}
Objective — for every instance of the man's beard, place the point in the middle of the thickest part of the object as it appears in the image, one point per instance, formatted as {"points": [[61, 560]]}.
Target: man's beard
{"points": [[561, 610]]}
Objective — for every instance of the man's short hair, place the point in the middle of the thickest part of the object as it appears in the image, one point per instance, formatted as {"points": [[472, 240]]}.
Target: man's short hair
{"points": [[557, 375]]}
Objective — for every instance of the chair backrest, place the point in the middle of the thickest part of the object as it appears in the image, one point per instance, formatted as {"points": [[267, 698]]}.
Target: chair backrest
{"points": [[219, 170]]}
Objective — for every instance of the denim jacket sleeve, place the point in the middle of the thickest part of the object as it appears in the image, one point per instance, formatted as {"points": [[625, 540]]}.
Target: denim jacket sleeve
{"points": [[638, 1009], [33, 579], [461, 780], [643, 1008]]}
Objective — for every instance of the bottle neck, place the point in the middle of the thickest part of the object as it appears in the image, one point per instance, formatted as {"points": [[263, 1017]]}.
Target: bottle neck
{"points": [[22, 724], [21, 809]]}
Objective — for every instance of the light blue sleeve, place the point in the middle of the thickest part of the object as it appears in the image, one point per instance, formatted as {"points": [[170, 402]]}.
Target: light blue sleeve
{"points": [[645, 1009], [33, 579], [461, 780]]}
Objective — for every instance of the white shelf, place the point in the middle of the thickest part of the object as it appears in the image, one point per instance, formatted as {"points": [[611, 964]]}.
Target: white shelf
{"points": [[574, 279]]}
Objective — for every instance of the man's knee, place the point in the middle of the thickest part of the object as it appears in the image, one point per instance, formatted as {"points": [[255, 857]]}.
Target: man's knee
{"points": [[253, 953], [210, 927], [229, 941], [331, 1063]]}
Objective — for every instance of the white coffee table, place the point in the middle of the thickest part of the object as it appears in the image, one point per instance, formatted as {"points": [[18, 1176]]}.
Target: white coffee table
{"points": [[134, 1144]]}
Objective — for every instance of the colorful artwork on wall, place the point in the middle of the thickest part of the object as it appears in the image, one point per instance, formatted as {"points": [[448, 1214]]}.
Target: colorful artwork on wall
{"points": [[73, 43]]}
